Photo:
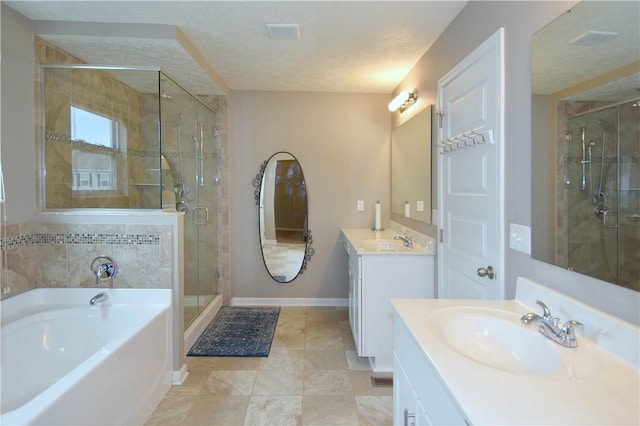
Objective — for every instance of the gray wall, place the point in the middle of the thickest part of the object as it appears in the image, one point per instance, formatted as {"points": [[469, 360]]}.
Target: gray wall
{"points": [[17, 112], [477, 21], [342, 144]]}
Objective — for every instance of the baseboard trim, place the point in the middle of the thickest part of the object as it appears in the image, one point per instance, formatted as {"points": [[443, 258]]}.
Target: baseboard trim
{"points": [[295, 301], [179, 376]]}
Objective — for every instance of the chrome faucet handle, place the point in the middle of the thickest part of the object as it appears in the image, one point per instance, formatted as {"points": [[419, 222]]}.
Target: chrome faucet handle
{"points": [[104, 268], [568, 337], [530, 317], [568, 327]]}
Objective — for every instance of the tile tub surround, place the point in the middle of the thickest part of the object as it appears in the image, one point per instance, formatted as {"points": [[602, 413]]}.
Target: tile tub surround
{"points": [[59, 255], [311, 377]]}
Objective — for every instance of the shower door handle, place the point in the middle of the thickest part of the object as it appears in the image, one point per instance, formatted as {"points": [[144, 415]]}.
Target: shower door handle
{"points": [[195, 216], [605, 215]]}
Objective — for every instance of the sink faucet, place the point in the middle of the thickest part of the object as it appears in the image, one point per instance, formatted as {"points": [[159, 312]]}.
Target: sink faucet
{"points": [[100, 297], [408, 242], [548, 326]]}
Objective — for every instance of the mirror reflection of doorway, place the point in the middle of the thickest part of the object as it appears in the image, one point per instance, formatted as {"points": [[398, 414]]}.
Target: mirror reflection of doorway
{"points": [[283, 217], [290, 198]]}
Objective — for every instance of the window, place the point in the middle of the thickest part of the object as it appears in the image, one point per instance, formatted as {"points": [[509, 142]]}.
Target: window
{"points": [[93, 159]]}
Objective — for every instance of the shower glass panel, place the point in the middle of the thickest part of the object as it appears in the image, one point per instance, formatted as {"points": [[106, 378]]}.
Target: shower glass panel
{"points": [[603, 193], [189, 145]]}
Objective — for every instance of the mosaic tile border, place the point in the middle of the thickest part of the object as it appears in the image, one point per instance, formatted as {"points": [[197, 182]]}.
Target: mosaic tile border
{"points": [[78, 238]]}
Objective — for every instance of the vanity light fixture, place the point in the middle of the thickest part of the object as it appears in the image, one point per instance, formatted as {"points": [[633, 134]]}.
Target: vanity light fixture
{"points": [[403, 101]]}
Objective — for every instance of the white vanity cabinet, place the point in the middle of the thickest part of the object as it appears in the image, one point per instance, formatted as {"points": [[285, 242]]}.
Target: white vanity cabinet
{"points": [[419, 397], [460, 362], [374, 278]]}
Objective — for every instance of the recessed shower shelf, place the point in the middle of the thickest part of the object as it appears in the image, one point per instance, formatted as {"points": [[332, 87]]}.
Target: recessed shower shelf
{"points": [[146, 184]]}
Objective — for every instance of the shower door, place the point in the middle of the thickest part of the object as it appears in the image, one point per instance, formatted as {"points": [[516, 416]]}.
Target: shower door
{"points": [[189, 145], [200, 221], [603, 194]]}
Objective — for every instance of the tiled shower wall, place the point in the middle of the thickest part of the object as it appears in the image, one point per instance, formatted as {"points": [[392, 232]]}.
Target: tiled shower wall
{"points": [[59, 255], [584, 243]]}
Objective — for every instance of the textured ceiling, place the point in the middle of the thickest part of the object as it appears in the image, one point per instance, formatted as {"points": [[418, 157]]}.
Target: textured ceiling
{"points": [[557, 64], [345, 46]]}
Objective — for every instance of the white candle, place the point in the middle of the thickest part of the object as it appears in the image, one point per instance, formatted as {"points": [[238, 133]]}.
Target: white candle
{"points": [[378, 222], [407, 209]]}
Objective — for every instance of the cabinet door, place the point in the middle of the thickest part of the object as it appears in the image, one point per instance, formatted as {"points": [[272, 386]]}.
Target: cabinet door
{"points": [[421, 415], [404, 397], [355, 301]]}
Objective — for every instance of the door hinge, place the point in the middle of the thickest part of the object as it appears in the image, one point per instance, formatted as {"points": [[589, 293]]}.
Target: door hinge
{"points": [[441, 235], [440, 115], [218, 275]]}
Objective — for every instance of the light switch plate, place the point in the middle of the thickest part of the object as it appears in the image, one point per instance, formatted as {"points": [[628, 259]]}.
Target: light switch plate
{"points": [[520, 238], [420, 206], [360, 205]]}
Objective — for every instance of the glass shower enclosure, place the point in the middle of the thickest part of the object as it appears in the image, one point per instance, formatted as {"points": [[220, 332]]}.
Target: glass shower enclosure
{"points": [[132, 138], [189, 136], [603, 197]]}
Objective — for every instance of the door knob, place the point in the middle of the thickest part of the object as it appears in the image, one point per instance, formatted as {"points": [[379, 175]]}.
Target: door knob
{"points": [[486, 272]]}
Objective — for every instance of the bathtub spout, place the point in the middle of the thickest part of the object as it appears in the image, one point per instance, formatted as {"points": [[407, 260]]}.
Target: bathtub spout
{"points": [[100, 297]]}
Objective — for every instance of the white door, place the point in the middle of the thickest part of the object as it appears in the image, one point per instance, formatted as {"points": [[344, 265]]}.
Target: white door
{"points": [[470, 189]]}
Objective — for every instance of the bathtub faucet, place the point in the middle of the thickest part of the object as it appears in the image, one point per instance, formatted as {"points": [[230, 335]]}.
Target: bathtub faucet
{"points": [[98, 298]]}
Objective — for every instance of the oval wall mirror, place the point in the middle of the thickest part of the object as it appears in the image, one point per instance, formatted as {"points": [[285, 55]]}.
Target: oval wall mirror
{"points": [[283, 217]]}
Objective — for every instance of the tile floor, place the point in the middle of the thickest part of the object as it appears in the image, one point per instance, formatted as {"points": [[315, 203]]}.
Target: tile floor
{"points": [[312, 376], [283, 260]]}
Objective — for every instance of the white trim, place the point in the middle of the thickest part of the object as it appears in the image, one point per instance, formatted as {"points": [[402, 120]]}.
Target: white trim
{"points": [[296, 301], [179, 376], [194, 331]]}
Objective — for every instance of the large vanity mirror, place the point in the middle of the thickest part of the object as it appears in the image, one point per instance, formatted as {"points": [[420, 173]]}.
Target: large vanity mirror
{"points": [[411, 168], [586, 141], [285, 237]]}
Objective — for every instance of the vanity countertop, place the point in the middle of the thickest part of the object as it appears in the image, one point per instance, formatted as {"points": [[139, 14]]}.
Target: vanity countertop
{"points": [[598, 382], [363, 241]]}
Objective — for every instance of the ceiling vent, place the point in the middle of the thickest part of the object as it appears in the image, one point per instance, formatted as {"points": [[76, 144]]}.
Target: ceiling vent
{"points": [[590, 38], [284, 31]]}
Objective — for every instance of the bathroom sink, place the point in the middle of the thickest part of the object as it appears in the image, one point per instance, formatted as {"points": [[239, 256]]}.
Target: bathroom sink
{"points": [[497, 339], [383, 244]]}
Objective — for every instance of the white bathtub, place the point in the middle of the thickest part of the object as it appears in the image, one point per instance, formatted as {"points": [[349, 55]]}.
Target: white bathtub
{"points": [[66, 362]]}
